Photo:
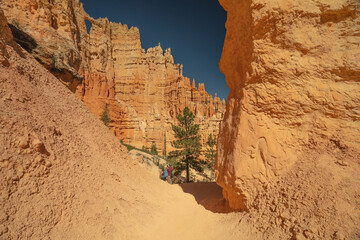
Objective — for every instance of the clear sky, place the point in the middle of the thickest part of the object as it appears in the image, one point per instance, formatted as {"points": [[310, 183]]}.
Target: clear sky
{"points": [[193, 29]]}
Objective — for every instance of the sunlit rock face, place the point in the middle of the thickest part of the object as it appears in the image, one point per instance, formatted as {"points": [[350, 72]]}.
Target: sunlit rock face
{"points": [[293, 69], [145, 90]]}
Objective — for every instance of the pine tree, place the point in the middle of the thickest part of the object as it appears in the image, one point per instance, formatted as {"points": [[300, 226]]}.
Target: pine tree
{"points": [[210, 153], [153, 149], [188, 141], [105, 116]]}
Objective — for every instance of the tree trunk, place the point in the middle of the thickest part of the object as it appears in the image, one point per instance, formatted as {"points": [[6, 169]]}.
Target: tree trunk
{"points": [[187, 169], [212, 169], [164, 144]]}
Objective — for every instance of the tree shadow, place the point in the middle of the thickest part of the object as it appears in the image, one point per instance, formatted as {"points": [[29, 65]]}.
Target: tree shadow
{"points": [[209, 195]]}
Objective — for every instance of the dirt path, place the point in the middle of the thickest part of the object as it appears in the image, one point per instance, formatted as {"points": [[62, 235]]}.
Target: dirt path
{"points": [[183, 217]]}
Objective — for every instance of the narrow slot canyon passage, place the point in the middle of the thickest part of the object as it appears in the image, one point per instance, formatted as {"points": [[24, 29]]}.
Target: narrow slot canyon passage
{"points": [[92, 114]]}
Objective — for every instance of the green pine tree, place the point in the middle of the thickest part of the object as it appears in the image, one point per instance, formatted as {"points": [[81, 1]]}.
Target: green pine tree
{"points": [[105, 116], [153, 149], [210, 153], [188, 142]]}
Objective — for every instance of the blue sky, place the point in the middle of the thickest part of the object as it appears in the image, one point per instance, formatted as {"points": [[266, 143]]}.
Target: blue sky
{"points": [[193, 29]]}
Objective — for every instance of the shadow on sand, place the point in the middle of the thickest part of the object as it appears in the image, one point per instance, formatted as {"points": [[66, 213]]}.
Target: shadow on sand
{"points": [[207, 194]]}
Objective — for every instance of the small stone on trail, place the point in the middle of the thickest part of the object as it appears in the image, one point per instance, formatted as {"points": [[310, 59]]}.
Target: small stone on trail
{"points": [[23, 142], [37, 144]]}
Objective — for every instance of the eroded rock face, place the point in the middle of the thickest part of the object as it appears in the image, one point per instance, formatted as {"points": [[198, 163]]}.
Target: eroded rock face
{"points": [[145, 90], [148, 85], [51, 33], [293, 69]]}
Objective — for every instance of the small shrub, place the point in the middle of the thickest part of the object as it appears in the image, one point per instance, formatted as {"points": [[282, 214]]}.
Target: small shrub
{"points": [[105, 116]]}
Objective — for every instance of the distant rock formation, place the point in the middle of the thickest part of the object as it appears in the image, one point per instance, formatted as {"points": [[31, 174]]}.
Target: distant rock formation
{"points": [[145, 90], [293, 69]]}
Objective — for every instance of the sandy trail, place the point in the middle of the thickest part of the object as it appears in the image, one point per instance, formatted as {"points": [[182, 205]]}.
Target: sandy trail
{"points": [[184, 215]]}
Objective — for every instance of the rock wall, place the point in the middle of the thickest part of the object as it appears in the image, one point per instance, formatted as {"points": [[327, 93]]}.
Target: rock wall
{"points": [[293, 69], [145, 90]]}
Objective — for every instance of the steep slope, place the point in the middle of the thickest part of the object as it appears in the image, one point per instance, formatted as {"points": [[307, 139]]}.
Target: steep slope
{"points": [[54, 171], [145, 90]]}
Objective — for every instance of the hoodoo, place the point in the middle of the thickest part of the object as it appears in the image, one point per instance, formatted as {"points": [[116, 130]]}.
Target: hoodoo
{"points": [[293, 69]]}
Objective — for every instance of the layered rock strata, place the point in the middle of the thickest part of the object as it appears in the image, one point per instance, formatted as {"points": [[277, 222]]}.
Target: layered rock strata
{"points": [[293, 69], [145, 90]]}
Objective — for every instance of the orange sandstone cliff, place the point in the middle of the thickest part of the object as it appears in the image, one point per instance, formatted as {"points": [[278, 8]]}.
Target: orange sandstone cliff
{"points": [[145, 90], [293, 69]]}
